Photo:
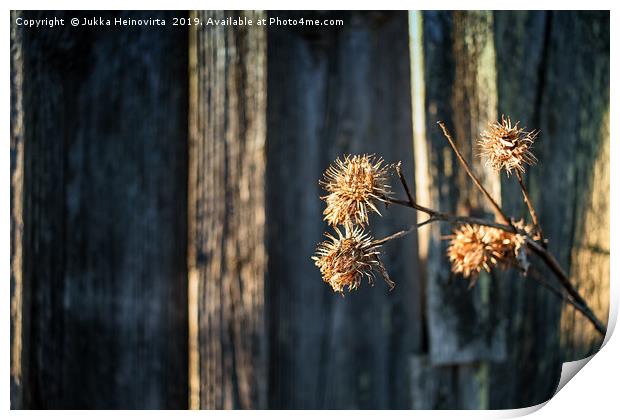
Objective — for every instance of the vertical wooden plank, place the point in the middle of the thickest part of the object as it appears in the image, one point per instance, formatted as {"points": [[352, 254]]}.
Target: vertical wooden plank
{"points": [[227, 259], [19, 293], [337, 90], [432, 387], [462, 322], [591, 247], [522, 45], [421, 184], [105, 149], [466, 327], [553, 74], [298, 109], [574, 172]]}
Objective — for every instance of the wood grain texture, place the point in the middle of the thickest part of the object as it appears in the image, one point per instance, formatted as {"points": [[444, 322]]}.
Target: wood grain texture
{"points": [[576, 159], [465, 326], [432, 387], [553, 73], [334, 91], [227, 259], [522, 45], [105, 215], [19, 291], [153, 271], [521, 40]]}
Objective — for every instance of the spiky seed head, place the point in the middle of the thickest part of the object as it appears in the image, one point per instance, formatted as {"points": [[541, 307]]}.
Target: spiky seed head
{"points": [[468, 251], [505, 245], [354, 184], [506, 146], [347, 258], [474, 248]]}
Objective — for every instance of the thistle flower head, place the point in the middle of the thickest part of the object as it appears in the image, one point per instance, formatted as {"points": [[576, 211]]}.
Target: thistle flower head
{"points": [[352, 185], [469, 252], [474, 248], [346, 259], [506, 146]]}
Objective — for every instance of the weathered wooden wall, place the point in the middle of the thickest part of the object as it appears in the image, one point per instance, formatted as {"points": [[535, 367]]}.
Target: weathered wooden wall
{"points": [[334, 91], [136, 178], [104, 216], [227, 259]]}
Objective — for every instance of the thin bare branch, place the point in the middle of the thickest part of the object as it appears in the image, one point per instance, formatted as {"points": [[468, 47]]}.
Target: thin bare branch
{"points": [[536, 276], [445, 217], [532, 244], [407, 203], [581, 307], [405, 186], [530, 206], [402, 232], [498, 210], [554, 266]]}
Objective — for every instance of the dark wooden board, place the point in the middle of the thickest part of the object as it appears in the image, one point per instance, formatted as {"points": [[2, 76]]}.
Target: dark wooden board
{"points": [[334, 91], [105, 214]]}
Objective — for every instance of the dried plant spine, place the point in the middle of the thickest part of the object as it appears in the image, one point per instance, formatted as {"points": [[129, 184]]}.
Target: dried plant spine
{"points": [[474, 248], [507, 146], [353, 185], [347, 258]]}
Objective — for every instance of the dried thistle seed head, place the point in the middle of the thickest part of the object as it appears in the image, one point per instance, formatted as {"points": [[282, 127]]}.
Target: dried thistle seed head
{"points": [[474, 248], [505, 245], [469, 252], [346, 259], [506, 146], [352, 185]]}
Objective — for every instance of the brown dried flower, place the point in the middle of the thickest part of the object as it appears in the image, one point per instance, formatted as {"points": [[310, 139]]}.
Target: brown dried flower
{"points": [[507, 146], [474, 248], [345, 260], [353, 184], [468, 251]]}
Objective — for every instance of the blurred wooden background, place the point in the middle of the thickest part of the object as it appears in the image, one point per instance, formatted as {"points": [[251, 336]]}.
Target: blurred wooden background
{"points": [[165, 205]]}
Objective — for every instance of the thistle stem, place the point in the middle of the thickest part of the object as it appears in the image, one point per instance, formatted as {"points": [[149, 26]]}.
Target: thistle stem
{"points": [[577, 301], [444, 217], [539, 249], [535, 275], [406, 187], [402, 232], [530, 206], [554, 266], [497, 208]]}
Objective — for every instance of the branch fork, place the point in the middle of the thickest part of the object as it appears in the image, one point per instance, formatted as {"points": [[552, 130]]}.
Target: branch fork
{"points": [[536, 242]]}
